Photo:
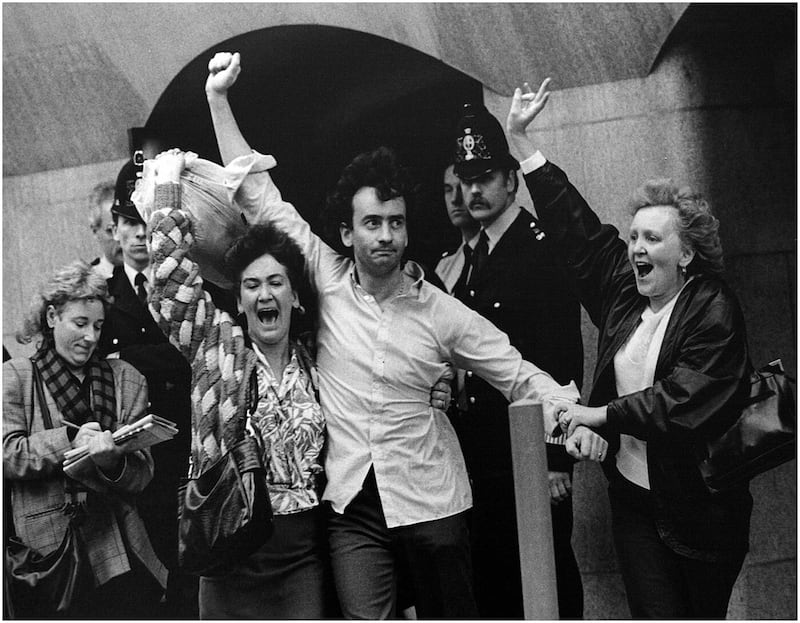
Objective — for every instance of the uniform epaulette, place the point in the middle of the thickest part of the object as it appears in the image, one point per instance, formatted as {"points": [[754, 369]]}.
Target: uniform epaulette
{"points": [[537, 231]]}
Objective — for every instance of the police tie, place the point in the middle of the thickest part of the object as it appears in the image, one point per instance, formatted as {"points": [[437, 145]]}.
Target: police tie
{"points": [[479, 257], [460, 289], [140, 291]]}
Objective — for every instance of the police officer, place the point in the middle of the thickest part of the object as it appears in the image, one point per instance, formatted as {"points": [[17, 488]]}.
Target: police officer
{"points": [[512, 279], [454, 265], [130, 333]]}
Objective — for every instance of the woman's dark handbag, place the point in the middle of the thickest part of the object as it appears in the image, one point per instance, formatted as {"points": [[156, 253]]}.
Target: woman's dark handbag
{"points": [[226, 513], [46, 586], [762, 438]]}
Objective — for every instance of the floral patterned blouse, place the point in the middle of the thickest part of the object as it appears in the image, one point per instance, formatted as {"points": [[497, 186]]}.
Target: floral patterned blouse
{"points": [[292, 429]]}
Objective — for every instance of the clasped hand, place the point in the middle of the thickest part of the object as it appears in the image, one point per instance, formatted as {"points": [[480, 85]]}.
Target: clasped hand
{"points": [[577, 422]]}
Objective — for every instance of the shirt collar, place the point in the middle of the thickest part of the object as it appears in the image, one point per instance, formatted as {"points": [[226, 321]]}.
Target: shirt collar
{"points": [[496, 230], [262, 359], [472, 241], [131, 272], [410, 269]]}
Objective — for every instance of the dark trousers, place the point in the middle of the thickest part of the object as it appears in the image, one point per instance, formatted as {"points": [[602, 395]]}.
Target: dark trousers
{"points": [[659, 583], [368, 559], [495, 552]]}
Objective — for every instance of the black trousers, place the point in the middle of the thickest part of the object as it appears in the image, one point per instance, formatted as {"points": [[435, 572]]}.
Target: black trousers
{"points": [[659, 583], [369, 560], [495, 551]]}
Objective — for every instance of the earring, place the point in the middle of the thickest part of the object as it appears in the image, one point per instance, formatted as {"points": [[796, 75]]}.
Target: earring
{"points": [[683, 270]]}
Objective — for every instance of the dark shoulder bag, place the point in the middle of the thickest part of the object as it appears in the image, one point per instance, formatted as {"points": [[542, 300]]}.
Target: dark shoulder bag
{"points": [[225, 512], [46, 586], [762, 438]]}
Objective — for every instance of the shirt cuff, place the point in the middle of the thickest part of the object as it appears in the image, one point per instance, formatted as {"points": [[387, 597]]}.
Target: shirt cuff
{"points": [[531, 163]]}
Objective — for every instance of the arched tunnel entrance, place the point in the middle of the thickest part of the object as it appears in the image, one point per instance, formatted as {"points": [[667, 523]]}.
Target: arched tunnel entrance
{"points": [[315, 106]]}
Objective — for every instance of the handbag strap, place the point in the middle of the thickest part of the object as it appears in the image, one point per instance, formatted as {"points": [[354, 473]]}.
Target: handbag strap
{"points": [[38, 386]]}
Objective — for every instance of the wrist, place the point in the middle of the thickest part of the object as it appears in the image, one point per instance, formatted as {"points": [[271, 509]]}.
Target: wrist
{"points": [[215, 97]]}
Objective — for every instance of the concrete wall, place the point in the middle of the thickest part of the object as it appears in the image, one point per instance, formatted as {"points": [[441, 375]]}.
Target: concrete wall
{"points": [[45, 225], [718, 114]]}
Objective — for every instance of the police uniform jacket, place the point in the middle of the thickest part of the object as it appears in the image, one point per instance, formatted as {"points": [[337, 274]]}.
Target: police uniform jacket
{"points": [[524, 291], [130, 330]]}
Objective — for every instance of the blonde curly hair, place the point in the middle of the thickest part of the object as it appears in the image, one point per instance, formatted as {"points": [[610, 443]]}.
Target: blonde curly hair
{"points": [[77, 281]]}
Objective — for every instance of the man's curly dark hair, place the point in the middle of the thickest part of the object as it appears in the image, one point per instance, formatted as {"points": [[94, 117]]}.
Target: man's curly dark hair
{"points": [[379, 169]]}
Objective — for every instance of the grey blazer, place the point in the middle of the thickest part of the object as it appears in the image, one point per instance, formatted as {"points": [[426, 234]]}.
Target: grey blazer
{"points": [[32, 465]]}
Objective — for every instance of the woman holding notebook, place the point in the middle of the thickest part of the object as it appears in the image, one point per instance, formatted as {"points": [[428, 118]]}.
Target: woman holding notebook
{"points": [[65, 398]]}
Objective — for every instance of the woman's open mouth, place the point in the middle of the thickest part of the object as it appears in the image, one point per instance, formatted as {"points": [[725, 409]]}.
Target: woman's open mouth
{"points": [[643, 269], [267, 316]]}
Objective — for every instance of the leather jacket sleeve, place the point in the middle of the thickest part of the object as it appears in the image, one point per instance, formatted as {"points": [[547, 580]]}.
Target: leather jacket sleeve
{"points": [[593, 251]]}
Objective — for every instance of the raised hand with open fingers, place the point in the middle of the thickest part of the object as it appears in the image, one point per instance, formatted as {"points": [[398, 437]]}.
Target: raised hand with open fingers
{"points": [[525, 106]]}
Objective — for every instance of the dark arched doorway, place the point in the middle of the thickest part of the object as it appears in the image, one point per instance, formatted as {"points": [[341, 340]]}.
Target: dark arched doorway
{"points": [[315, 96]]}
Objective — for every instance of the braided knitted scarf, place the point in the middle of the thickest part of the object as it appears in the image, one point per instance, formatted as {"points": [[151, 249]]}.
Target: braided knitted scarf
{"points": [[66, 389]]}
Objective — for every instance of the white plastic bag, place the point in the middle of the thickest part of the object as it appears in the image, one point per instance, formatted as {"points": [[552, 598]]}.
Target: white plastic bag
{"points": [[207, 194]]}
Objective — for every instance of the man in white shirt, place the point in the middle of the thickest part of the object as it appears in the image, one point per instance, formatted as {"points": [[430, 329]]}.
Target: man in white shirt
{"points": [[397, 484], [100, 222]]}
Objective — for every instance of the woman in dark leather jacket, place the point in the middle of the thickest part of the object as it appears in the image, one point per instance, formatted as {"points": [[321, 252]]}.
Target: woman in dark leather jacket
{"points": [[672, 365]]}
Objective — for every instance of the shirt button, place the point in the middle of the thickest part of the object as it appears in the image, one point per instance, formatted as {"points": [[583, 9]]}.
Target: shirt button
{"points": [[472, 293], [496, 305], [115, 341], [143, 329], [472, 400]]}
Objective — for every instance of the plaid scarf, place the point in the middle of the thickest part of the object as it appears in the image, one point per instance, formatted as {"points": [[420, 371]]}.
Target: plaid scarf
{"points": [[65, 388]]}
